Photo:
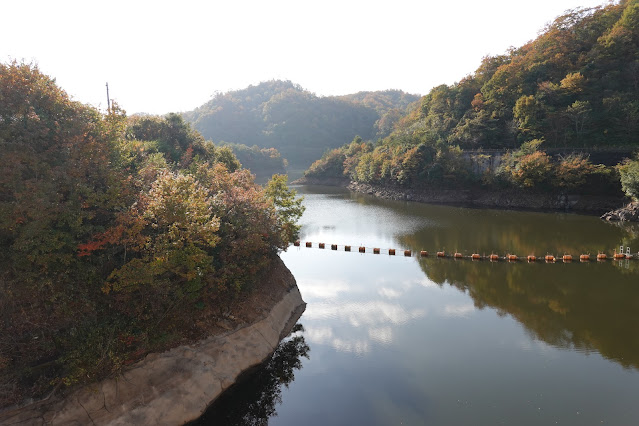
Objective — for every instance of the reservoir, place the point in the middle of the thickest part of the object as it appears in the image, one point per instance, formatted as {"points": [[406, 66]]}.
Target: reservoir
{"points": [[394, 340]]}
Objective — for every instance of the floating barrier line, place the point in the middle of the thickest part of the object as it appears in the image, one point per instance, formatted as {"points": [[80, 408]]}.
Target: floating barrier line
{"points": [[493, 257]]}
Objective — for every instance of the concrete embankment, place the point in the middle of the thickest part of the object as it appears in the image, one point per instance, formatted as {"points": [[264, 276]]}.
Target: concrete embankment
{"points": [[172, 387]]}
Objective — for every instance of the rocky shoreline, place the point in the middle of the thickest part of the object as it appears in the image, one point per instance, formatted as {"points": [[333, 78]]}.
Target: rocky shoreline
{"points": [[506, 199], [481, 198], [176, 386], [628, 213]]}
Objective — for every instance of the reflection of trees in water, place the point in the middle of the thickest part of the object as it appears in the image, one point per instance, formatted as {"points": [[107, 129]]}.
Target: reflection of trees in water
{"points": [[630, 236], [252, 400], [587, 307]]}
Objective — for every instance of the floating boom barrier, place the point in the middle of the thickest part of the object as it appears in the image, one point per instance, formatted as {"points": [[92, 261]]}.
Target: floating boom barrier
{"points": [[493, 257]]}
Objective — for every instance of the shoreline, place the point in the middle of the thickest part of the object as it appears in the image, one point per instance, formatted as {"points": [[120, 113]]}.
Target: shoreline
{"points": [[175, 386], [507, 199]]}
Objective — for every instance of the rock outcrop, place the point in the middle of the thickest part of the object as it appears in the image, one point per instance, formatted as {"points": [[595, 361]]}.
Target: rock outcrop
{"points": [[173, 387], [629, 213]]}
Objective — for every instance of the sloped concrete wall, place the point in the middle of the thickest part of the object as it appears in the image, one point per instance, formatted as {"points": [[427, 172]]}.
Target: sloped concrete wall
{"points": [[173, 387]]}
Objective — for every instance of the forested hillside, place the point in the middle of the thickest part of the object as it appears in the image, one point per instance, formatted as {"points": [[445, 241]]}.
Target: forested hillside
{"points": [[262, 162], [391, 105], [575, 86], [299, 124], [118, 236]]}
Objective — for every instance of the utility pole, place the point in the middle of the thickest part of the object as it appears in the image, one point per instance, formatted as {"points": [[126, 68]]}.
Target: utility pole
{"points": [[108, 99]]}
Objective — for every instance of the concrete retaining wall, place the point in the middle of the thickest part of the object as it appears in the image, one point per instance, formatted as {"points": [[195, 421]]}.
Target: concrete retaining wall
{"points": [[173, 387]]}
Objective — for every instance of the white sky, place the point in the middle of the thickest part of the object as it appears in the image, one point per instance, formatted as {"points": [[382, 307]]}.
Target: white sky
{"points": [[162, 56]]}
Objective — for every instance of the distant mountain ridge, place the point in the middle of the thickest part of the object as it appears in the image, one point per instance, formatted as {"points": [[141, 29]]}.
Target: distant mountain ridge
{"points": [[301, 125]]}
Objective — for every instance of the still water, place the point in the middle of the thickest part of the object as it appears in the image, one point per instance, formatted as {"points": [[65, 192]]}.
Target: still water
{"points": [[391, 340]]}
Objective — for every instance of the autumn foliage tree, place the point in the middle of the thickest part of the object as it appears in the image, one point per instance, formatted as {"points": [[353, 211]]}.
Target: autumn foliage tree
{"points": [[170, 231]]}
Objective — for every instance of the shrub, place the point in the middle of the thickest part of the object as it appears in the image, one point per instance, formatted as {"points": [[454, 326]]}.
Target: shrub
{"points": [[629, 173], [532, 170], [572, 171]]}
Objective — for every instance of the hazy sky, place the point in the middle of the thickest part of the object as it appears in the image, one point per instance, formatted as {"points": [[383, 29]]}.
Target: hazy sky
{"points": [[161, 56]]}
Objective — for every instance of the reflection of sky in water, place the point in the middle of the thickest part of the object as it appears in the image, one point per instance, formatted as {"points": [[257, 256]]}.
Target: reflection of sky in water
{"points": [[359, 323], [355, 304], [350, 310], [363, 314]]}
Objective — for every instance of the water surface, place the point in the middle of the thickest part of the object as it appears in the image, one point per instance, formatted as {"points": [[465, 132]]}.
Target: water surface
{"points": [[409, 340]]}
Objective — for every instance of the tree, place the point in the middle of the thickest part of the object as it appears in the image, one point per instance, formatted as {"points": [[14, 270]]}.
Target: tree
{"points": [[579, 113], [572, 171], [172, 230], [629, 172], [528, 112], [532, 170], [224, 155], [289, 207], [573, 83], [170, 134]]}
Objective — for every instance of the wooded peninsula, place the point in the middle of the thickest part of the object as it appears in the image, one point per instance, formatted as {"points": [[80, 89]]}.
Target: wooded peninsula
{"points": [[120, 235]]}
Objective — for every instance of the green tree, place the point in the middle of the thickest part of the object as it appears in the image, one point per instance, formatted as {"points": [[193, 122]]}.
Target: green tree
{"points": [[171, 135], [529, 113], [173, 231], [224, 155], [579, 114], [629, 172], [289, 206]]}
